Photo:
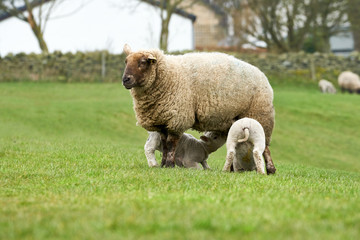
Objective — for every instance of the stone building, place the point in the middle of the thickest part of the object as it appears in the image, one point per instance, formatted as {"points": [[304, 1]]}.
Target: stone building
{"points": [[210, 27]]}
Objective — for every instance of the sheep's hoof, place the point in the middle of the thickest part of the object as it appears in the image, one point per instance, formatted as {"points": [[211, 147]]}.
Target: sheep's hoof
{"points": [[169, 164], [271, 170]]}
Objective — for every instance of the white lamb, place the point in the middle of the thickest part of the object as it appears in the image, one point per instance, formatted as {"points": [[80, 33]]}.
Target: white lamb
{"points": [[190, 151], [245, 134], [326, 87]]}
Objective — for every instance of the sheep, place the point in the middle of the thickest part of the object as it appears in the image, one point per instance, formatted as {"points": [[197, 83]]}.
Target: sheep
{"points": [[200, 91], [349, 81], [326, 87], [245, 130], [189, 152]]}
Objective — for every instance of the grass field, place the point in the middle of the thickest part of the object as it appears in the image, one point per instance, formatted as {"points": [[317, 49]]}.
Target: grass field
{"points": [[72, 166]]}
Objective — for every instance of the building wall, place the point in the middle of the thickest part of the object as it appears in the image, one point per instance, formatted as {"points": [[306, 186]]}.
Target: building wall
{"points": [[208, 32], [342, 44]]}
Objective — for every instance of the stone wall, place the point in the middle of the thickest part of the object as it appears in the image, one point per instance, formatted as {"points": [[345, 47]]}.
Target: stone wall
{"points": [[105, 67], [311, 66], [59, 67]]}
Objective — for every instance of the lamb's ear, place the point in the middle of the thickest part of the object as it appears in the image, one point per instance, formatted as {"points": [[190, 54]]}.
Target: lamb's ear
{"points": [[127, 49], [151, 59], [204, 138]]}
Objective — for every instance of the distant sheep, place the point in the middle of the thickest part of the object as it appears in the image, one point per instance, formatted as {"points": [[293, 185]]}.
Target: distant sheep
{"points": [[349, 81], [202, 91], [326, 87], [245, 131], [189, 152]]}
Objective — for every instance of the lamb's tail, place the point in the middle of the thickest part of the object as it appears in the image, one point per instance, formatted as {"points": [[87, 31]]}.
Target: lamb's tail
{"points": [[246, 131]]}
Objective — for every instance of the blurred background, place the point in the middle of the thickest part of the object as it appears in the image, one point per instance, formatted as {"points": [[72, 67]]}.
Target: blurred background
{"points": [[55, 37], [175, 25]]}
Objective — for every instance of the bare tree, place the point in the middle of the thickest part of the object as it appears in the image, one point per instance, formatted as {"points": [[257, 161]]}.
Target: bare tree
{"points": [[331, 16], [167, 9], [285, 24], [282, 24], [353, 11], [24, 10]]}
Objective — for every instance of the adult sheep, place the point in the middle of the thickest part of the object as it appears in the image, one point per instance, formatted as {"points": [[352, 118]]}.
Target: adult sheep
{"points": [[349, 81], [202, 91]]}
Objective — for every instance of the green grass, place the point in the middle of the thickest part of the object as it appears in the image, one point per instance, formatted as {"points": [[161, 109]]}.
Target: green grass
{"points": [[72, 167]]}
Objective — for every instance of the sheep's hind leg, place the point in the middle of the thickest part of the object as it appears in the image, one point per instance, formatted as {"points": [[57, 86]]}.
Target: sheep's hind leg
{"points": [[172, 141], [269, 163]]}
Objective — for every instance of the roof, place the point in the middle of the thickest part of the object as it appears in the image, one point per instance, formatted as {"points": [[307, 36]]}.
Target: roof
{"points": [[5, 15], [178, 11]]}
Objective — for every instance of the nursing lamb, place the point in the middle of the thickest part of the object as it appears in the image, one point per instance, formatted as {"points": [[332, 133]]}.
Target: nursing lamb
{"points": [[245, 135], [189, 152]]}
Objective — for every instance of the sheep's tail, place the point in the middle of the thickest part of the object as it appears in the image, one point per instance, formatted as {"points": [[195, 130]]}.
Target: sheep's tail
{"points": [[246, 131]]}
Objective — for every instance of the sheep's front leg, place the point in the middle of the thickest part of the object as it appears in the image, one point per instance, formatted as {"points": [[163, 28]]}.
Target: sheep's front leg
{"points": [[150, 156], [163, 136], [269, 163], [172, 141]]}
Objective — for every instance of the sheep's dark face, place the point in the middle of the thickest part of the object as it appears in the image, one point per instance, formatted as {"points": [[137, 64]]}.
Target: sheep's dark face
{"points": [[136, 69]]}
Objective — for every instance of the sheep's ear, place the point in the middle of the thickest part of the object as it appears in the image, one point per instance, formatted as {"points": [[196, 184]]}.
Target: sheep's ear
{"points": [[204, 138], [127, 49], [151, 59]]}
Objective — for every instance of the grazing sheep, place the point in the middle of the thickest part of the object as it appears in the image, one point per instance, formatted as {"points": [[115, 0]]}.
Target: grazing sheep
{"points": [[326, 86], [202, 91], [349, 81], [245, 134], [189, 152]]}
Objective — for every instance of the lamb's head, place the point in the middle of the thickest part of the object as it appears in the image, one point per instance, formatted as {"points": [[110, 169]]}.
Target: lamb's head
{"points": [[213, 140], [139, 69]]}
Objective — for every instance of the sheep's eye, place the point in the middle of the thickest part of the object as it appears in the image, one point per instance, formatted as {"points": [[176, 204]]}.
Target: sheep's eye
{"points": [[125, 61], [215, 137]]}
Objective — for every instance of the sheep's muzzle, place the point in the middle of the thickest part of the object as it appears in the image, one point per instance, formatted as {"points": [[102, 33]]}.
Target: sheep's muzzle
{"points": [[128, 81]]}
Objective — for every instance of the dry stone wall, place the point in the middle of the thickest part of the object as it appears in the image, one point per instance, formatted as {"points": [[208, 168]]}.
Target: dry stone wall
{"points": [[104, 67]]}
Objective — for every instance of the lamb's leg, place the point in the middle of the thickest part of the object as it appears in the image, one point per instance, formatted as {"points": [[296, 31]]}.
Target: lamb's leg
{"points": [[260, 166], [268, 161], [205, 165], [229, 161], [230, 156], [172, 141]]}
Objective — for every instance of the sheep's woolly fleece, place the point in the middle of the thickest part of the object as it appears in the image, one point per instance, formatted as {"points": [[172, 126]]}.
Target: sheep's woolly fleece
{"points": [[326, 86], [349, 81], [202, 91]]}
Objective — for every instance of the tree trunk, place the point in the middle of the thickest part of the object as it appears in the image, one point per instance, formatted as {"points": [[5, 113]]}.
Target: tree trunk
{"points": [[354, 17], [164, 35], [37, 32]]}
